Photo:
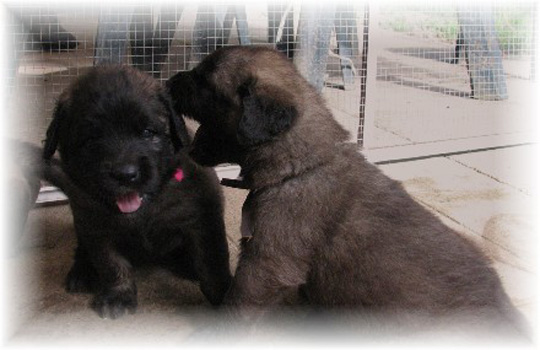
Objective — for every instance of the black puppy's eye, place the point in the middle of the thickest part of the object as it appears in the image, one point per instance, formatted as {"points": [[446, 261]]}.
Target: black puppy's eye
{"points": [[148, 133]]}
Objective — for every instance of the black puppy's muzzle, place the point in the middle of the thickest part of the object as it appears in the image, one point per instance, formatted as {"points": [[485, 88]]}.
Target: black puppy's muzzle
{"points": [[126, 174], [131, 171]]}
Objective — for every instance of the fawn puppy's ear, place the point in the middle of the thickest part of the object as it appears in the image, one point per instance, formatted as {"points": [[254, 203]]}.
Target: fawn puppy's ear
{"points": [[267, 113]]}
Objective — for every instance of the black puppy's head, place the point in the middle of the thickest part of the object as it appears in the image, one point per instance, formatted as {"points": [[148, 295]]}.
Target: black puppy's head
{"points": [[242, 96], [116, 133]]}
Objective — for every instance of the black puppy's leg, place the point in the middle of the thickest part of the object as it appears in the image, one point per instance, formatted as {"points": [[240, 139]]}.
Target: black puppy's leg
{"points": [[211, 260], [82, 278], [117, 292]]}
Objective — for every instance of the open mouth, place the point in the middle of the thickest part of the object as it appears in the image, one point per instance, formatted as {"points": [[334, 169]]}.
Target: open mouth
{"points": [[129, 202]]}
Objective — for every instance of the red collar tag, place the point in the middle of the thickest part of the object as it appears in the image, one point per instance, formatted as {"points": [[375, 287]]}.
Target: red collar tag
{"points": [[179, 174]]}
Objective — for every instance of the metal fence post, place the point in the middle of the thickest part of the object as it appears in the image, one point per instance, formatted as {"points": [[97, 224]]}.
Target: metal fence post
{"points": [[482, 52], [112, 35], [314, 31]]}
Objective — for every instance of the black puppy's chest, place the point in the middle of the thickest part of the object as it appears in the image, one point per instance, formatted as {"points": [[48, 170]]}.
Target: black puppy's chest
{"points": [[149, 238], [147, 235]]}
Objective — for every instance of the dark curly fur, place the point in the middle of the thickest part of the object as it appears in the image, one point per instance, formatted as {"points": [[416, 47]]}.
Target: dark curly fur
{"points": [[120, 146], [323, 219]]}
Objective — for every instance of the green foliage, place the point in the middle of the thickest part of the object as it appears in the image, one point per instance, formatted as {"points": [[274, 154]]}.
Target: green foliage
{"points": [[514, 29], [513, 24]]}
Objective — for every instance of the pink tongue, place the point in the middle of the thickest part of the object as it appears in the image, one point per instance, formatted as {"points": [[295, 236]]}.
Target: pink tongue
{"points": [[129, 203]]}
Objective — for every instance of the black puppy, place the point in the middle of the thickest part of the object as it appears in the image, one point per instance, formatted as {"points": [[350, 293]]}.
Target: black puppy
{"points": [[136, 197], [319, 217]]}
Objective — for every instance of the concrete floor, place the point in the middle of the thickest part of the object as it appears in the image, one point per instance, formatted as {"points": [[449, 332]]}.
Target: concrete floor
{"points": [[492, 197], [484, 195]]}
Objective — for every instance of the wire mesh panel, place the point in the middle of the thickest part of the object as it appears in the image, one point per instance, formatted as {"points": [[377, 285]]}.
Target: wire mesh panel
{"points": [[55, 43], [442, 71], [51, 45], [451, 72]]}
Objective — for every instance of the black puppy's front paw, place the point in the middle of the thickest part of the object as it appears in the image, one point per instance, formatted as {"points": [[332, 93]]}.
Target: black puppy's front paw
{"points": [[114, 304], [81, 279]]}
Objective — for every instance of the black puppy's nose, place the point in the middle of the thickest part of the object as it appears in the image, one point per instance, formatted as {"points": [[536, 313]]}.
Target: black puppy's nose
{"points": [[126, 173]]}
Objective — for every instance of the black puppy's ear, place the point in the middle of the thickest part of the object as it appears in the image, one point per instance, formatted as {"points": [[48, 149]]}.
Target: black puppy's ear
{"points": [[179, 134], [266, 114], [51, 142]]}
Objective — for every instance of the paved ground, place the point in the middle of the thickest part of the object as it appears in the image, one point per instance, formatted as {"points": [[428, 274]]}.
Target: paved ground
{"points": [[484, 195], [491, 197]]}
